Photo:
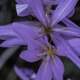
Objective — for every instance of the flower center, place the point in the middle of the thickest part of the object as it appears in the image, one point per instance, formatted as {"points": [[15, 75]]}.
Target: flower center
{"points": [[50, 52], [47, 30]]}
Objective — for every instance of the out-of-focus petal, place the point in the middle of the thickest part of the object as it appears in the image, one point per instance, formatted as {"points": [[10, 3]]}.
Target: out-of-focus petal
{"points": [[57, 68], [62, 10], [12, 43], [51, 2], [6, 32], [21, 1], [75, 44], [37, 8], [71, 13], [23, 73], [71, 24], [23, 9], [19, 32], [44, 72]]}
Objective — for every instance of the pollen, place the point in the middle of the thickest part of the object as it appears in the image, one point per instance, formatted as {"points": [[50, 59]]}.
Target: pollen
{"points": [[50, 52]]}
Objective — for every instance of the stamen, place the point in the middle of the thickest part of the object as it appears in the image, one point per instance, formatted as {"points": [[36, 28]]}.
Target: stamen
{"points": [[47, 30], [48, 9], [50, 50]]}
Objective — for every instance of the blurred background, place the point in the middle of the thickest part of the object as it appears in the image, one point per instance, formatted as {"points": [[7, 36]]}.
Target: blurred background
{"points": [[10, 57]]}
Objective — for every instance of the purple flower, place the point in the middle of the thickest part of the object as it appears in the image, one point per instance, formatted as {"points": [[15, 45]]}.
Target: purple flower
{"points": [[51, 65], [42, 49], [36, 37], [24, 8], [47, 52]]}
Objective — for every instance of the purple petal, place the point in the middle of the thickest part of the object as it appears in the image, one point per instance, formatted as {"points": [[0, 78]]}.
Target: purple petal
{"points": [[51, 2], [44, 72], [26, 32], [70, 53], [23, 9], [6, 32], [67, 31], [34, 52], [30, 56], [75, 44], [60, 49], [12, 43], [63, 9], [71, 24], [21, 1], [71, 13], [74, 58], [37, 8], [23, 73], [57, 68]]}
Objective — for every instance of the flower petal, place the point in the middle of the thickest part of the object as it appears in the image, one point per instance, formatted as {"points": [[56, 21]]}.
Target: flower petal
{"points": [[51, 2], [75, 44], [61, 10], [23, 9], [19, 32], [60, 50], [57, 68], [74, 58], [71, 24], [72, 13], [23, 73], [12, 43], [67, 31], [30, 56], [21, 1], [70, 53], [37, 8], [6, 32], [26, 31], [44, 72], [34, 51]]}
